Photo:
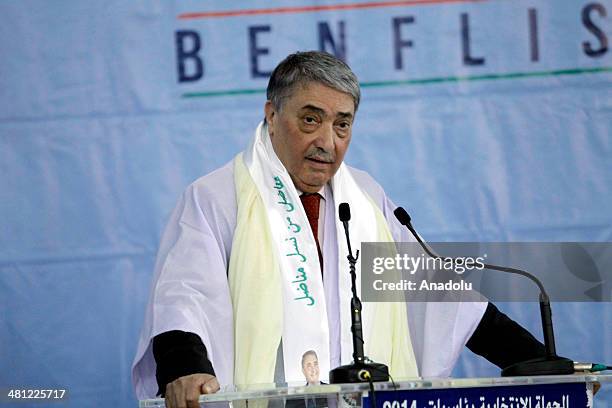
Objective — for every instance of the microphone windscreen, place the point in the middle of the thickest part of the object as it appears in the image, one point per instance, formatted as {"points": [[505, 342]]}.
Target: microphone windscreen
{"points": [[344, 212], [402, 216]]}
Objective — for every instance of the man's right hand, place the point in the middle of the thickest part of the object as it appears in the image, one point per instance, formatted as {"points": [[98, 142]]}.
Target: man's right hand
{"points": [[184, 392]]}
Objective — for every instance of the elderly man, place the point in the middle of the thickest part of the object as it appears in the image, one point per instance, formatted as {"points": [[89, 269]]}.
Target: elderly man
{"points": [[251, 270]]}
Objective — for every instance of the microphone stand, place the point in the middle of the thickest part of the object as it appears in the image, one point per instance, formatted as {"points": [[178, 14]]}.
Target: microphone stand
{"points": [[359, 371], [551, 364]]}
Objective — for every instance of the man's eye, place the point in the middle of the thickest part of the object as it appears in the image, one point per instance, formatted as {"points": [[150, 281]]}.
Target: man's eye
{"points": [[344, 126], [311, 120]]}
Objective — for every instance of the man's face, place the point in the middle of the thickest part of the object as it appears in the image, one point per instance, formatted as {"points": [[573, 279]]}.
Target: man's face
{"points": [[311, 132], [310, 368]]}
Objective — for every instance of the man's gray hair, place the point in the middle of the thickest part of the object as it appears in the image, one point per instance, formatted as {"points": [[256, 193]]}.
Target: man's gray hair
{"points": [[302, 68]]}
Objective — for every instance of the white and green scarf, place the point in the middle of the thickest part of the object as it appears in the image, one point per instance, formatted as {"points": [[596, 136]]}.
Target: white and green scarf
{"points": [[275, 278]]}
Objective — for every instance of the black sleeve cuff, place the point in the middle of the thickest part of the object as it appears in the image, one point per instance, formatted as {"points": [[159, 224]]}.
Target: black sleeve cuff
{"points": [[178, 353], [502, 341]]}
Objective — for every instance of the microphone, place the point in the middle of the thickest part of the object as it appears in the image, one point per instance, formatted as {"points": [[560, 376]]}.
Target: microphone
{"points": [[344, 212], [551, 364], [359, 371]]}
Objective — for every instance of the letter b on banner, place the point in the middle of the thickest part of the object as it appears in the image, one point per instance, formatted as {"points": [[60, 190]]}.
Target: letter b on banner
{"points": [[189, 64]]}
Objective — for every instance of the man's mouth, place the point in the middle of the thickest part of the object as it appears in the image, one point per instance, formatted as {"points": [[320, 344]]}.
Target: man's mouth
{"points": [[315, 160]]}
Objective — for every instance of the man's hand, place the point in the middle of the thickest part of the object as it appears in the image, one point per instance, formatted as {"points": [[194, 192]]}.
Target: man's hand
{"points": [[184, 392]]}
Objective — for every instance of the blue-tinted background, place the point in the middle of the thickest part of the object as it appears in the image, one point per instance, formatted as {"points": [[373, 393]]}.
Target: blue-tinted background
{"points": [[476, 135]]}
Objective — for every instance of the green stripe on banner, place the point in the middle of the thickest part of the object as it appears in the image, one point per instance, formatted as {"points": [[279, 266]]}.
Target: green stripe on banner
{"points": [[223, 93], [424, 81]]}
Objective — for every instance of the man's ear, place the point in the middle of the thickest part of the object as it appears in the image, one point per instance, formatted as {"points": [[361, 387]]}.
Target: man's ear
{"points": [[270, 113]]}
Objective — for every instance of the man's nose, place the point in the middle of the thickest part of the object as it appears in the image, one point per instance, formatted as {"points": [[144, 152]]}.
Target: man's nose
{"points": [[326, 138]]}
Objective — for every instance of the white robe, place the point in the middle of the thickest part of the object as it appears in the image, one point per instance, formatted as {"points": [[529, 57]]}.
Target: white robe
{"points": [[190, 289]]}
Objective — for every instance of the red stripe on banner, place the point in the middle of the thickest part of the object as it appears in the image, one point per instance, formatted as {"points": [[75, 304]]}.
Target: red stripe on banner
{"points": [[308, 9]]}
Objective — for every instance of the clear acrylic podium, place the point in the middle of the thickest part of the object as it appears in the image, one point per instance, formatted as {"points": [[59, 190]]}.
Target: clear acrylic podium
{"points": [[571, 391]]}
